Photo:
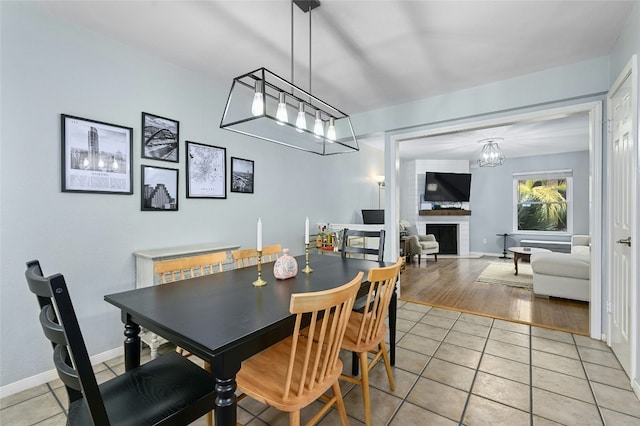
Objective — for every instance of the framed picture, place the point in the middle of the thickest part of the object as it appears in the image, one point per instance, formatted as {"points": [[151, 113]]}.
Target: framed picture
{"points": [[96, 156], [241, 175], [206, 171], [160, 138], [159, 189]]}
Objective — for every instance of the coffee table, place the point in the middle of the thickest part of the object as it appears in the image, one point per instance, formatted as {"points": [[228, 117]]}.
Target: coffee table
{"points": [[524, 253]]}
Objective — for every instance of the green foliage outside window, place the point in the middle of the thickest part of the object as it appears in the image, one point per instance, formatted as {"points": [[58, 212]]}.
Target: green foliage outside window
{"points": [[542, 205]]}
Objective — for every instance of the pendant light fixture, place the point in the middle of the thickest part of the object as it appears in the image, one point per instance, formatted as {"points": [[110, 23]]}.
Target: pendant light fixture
{"points": [[260, 104], [491, 155]]}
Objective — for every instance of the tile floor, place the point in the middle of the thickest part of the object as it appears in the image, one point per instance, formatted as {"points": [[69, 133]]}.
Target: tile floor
{"points": [[451, 369]]}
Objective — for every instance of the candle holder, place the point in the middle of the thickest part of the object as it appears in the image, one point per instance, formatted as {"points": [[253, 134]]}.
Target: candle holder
{"points": [[307, 269], [259, 282]]}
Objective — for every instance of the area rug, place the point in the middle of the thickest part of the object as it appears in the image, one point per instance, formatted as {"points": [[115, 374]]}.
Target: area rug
{"points": [[503, 273]]}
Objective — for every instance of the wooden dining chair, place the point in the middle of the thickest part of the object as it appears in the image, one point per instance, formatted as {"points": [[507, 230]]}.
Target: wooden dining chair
{"points": [[366, 330], [189, 267], [167, 390], [249, 257], [271, 253], [296, 371]]}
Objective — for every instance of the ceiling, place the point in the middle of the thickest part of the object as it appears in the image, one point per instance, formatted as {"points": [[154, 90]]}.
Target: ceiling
{"points": [[367, 55]]}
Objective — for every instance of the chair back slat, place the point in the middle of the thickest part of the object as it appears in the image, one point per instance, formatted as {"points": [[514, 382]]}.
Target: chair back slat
{"points": [[315, 353], [363, 249], [71, 358], [249, 257], [271, 253], [382, 284], [189, 267], [245, 257], [67, 374], [52, 330]]}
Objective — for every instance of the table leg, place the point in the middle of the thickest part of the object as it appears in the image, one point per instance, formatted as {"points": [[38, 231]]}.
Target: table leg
{"points": [[515, 262], [393, 308], [131, 344], [225, 368]]}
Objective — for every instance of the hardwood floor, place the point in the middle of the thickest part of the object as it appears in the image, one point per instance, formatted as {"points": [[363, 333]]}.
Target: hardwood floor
{"points": [[450, 283]]}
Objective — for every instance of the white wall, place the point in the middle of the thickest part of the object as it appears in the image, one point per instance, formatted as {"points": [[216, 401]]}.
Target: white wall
{"points": [[49, 68]]}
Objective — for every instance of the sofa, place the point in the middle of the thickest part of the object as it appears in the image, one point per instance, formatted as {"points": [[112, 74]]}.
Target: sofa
{"points": [[565, 275]]}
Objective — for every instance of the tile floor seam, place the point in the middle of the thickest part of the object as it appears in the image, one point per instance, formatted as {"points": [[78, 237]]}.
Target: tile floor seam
{"points": [[475, 375], [586, 374], [530, 377], [64, 409], [419, 375]]}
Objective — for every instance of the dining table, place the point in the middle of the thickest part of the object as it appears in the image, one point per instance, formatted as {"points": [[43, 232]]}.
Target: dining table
{"points": [[223, 319]]}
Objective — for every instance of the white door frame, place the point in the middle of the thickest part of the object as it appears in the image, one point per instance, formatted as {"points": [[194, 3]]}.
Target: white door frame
{"points": [[594, 109]]}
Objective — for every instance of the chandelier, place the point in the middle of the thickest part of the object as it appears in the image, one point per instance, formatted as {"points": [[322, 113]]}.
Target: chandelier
{"points": [[264, 105], [491, 155]]}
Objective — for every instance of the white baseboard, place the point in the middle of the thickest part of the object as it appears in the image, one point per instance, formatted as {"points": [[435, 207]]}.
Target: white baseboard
{"points": [[47, 376]]}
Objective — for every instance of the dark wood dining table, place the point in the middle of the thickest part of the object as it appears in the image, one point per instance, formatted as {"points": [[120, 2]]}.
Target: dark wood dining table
{"points": [[223, 319]]}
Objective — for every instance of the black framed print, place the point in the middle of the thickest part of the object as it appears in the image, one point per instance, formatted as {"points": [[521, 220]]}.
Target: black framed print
{"points": [[241, 175], [96, 156], [159, 189], [206, 171], [160, 138]]}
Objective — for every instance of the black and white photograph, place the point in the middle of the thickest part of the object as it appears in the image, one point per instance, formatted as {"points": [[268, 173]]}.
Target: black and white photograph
{"points": [[206, 171], [159, 189], [241, 175], [160, 137], [96, 156]]}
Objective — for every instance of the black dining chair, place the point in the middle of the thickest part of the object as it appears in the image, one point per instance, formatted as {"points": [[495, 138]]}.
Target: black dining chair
{"points": [[360, 246], [167, 390]]}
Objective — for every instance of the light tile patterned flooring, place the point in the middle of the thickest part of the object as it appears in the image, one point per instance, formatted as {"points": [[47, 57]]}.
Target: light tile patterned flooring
{"points": [[451, 368]]}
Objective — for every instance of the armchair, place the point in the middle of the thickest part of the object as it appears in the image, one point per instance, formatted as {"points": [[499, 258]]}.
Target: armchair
{"points": [[423, 245]]}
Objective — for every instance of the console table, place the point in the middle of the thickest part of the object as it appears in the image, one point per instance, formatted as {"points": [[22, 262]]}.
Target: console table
{"points": [[146, 276]]}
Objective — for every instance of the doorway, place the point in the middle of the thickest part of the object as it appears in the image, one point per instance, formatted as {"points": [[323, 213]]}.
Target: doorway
{"points": [[594, 111]]}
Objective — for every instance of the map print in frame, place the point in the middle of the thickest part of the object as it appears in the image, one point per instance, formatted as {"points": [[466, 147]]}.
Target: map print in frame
{"points": [[206, 171]]}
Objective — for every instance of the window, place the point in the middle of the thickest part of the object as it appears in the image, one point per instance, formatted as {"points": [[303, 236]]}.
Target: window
{"points": [[542, 202]]}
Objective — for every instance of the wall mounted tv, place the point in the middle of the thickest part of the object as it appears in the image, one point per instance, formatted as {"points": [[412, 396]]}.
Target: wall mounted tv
{"points": [[373, 217], [447, 187]]}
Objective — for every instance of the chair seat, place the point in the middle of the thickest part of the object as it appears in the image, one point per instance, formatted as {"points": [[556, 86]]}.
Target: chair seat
{"points": [[162, 381], [351, 335], [261, 376]]}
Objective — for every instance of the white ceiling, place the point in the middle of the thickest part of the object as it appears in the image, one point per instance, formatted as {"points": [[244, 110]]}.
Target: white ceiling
{"points": [[368, 54]]}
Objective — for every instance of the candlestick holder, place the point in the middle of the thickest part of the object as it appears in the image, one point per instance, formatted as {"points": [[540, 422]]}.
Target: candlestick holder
{"points": [[259, 282], [307, 269]]}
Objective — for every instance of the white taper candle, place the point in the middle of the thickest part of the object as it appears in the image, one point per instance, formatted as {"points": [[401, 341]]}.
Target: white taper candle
{"points": [[306, 230], [259, 248]]}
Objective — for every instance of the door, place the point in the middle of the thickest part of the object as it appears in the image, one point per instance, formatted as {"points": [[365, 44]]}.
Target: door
{"points": [[621, 177]]}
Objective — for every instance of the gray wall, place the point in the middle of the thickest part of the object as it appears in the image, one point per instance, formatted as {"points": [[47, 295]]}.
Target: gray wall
{"points": [[49, 68], [492, 198]]}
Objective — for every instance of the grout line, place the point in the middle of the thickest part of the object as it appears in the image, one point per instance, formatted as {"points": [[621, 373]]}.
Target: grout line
{"points": [[64, 409], [531, 375], [586, 375], [475, 374]]}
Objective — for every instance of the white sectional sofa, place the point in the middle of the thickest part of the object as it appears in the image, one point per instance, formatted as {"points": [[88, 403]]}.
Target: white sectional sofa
{"points": [[564, 275]]}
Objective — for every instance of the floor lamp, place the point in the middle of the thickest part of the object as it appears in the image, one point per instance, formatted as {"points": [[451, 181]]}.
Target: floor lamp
{"points": [[380, 181]]}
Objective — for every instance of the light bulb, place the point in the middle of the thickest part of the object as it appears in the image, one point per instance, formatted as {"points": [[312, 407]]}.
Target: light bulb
{"points": [[115, 165], [301, 120], [331, 130], [100, 163], [85, 162], [257, 107], [281, 114], [318, 128]]}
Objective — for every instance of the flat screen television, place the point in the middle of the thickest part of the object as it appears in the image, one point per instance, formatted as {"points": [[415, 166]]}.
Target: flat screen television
{"points": [[373, 217], [447, 187]]}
